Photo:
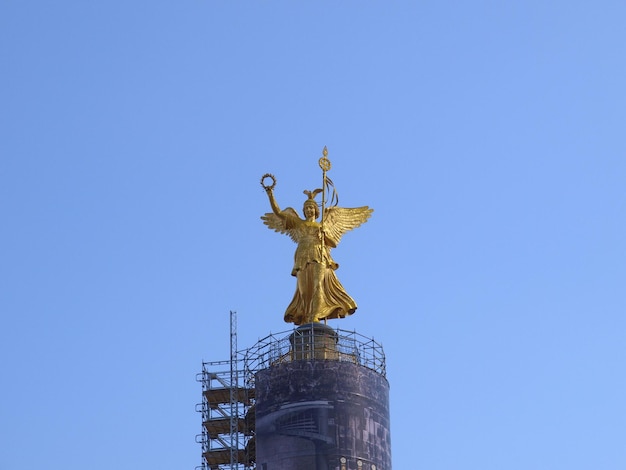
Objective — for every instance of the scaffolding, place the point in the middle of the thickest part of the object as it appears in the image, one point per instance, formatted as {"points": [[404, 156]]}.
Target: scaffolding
{"points": [[227, 410], [228, 393], [227, 436]]}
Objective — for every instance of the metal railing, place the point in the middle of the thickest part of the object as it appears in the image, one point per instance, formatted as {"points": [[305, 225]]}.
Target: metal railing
{"points": [[347, 346]]}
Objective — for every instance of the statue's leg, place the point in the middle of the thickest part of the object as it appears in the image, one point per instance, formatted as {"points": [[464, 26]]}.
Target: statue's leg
{"points": [[316, 284], [305, 286]]}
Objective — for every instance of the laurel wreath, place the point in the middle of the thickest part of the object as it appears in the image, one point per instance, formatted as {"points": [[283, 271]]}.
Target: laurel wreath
{"points": [[266, 186]]}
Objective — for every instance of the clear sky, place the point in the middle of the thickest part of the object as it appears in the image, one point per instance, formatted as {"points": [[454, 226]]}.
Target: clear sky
{"points": [[488, 136]]}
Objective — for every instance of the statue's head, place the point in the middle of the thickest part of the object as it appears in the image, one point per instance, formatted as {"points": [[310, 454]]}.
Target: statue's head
{"points": [[311, 208]]}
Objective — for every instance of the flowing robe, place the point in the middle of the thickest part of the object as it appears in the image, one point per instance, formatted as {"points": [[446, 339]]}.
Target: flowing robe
{"points": [[319, 294]]}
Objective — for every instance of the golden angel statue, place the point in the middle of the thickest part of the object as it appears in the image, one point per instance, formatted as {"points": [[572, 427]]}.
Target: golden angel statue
{"points": [[319, 294]]}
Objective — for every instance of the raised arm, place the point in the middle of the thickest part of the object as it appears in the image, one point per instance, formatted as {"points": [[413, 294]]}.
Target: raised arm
{"points": [[273, 203]]}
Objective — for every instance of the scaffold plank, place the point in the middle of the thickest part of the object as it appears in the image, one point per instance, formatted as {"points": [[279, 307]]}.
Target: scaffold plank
{"points": [[222, 457], [220, 396], [215, 427]]}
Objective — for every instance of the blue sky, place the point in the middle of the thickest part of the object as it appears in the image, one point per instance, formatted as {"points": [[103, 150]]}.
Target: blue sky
{"points": [[488, 137]]}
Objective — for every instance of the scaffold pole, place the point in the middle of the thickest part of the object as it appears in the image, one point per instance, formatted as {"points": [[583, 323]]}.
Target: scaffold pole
{"points": [[234, 382]]}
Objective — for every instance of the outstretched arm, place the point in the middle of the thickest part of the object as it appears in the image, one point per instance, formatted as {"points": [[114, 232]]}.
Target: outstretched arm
{"points": [[273, 203]]}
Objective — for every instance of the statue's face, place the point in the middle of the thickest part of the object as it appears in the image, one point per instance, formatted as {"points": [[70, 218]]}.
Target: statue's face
{"points": [[309, 211]]}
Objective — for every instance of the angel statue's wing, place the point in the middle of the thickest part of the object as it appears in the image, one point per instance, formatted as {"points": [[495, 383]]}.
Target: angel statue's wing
{"points": [[339, 220], [287, 223]]}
